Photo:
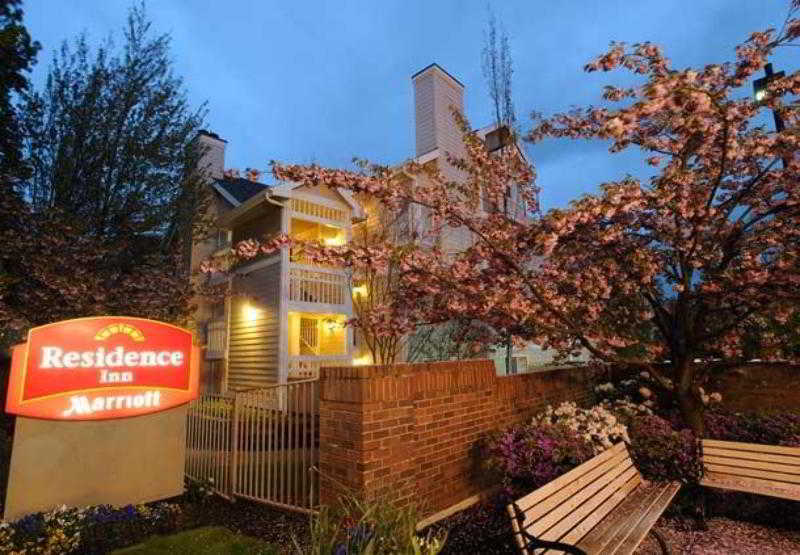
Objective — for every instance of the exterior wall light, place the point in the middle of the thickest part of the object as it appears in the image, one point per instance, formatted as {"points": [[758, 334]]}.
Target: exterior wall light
{"points": [[360, 290], [363, 360], [251, 313]]}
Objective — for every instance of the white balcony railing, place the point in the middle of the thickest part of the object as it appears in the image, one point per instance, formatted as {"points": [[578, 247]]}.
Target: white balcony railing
{"points": [[215, 340], [307, 367], [317, 285]]}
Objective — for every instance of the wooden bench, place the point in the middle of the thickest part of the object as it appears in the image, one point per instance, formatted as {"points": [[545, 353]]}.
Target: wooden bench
{"points": [[749, 467], [602, 506]]}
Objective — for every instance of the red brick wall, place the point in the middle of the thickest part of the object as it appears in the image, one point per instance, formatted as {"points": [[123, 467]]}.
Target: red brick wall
{"points": [[408, 432]]}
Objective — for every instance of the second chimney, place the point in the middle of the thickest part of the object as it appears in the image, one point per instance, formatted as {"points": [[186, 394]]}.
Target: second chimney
{"points": [[212, 159], [435, 91]]}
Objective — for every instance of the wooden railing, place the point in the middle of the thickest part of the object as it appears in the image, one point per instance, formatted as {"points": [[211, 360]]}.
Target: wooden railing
{"points": [[215, 340], [317, 285]]}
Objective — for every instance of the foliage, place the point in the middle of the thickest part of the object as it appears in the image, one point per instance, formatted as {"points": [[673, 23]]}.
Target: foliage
{"points": [[753, 427], [198, 491], [497, 69], [103, 224], [528, 456], [358, 527], [447, 341], [675, 268], [126, 275], [598, 426], [88, 530], [201, 541], [18, 53], [661, 453]]}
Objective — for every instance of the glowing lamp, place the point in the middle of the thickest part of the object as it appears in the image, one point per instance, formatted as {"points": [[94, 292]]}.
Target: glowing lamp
{"points": [[360, 290], [362, 360], [251, 312]]}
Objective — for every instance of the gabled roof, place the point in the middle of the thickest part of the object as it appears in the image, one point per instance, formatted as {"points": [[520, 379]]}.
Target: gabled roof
{"points": [[238, 190]]}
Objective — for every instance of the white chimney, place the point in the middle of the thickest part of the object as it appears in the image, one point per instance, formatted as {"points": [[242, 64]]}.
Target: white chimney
{"points": [[212, 159], [435, 91]]}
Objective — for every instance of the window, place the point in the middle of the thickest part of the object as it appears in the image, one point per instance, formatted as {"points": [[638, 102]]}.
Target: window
{"points": [[222, 239], [519, 365], [309, 336]]}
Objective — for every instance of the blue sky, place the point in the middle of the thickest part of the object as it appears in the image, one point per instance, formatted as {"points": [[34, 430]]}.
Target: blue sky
{"points": [[326, 81]]}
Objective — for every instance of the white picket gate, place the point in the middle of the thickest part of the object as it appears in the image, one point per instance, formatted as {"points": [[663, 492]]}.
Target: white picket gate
{"points": [[259, 444]]}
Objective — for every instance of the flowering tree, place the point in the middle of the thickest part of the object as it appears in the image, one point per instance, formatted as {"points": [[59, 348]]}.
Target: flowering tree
{"points": [[52, 269], [671, 269]]}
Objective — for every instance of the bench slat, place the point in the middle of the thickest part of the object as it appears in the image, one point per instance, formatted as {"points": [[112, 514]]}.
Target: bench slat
{"points": [[751, 455], [751, 473], [555, 525], [600, 509], [549, 488], [597, 539], [748, 463], [751, 485], [581, 488], [639, 532], [739, 446]]}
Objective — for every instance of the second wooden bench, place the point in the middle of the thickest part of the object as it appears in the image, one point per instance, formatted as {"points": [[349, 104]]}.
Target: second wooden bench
{"points": [[602, 506]]}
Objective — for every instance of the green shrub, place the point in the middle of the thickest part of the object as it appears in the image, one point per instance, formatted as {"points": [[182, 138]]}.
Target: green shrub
{"points": [[354, 527]]}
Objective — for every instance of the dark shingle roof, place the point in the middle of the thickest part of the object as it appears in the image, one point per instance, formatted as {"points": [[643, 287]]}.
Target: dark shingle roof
{"points": [[241, 189]]}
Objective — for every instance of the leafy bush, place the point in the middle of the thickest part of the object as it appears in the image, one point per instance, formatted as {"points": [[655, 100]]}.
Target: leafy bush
{"points": [[198, 491], [528, 456], [89, 530], [661, 453], [597, 425], [753, 427], [354, 527]]}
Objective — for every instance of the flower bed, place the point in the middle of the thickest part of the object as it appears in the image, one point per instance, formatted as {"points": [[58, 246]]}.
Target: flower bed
{"points": [[89, 530]]}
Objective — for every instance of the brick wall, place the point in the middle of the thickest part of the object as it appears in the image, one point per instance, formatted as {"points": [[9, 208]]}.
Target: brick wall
{"points": [[409, 432]]}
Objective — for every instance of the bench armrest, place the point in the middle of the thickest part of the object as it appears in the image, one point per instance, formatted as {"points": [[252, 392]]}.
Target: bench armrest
{"points": [[533, 542]]}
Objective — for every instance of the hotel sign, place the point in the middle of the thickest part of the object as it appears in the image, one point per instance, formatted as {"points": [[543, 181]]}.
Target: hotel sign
{"points": [[102, 368]]}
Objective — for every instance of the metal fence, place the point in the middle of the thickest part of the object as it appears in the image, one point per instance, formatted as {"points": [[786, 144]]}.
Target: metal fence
{"points": [[259, 444]]}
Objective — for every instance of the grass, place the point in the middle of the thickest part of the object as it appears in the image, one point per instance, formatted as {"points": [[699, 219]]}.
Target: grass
{"points": [[201, 541]]}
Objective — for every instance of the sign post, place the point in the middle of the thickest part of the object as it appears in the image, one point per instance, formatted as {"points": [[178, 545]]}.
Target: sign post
{"points": [[100, 413]]}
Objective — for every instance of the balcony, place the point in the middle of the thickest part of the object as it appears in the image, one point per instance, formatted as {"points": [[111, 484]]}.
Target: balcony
{"points": [[317, 285], [307, 367], [215, 340]]}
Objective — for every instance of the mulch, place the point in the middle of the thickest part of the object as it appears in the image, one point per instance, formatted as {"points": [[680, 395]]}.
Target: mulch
{"points": [[723, 537], [258, 520]]}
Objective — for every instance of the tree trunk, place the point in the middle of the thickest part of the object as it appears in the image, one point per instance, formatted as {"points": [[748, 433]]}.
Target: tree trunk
{"points": [[691, 411], [690, 406]]}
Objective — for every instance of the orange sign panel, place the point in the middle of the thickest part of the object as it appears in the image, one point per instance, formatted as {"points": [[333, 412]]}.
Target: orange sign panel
{"points": [[102, 368]]}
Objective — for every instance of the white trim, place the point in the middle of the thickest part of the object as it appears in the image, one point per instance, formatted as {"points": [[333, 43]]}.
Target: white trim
{"points": [[322, 201], [318, 220], [288, 190], [283, 310], [226, 354], [224, 192], [319, 308], [311, 267], [247, 268]]}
